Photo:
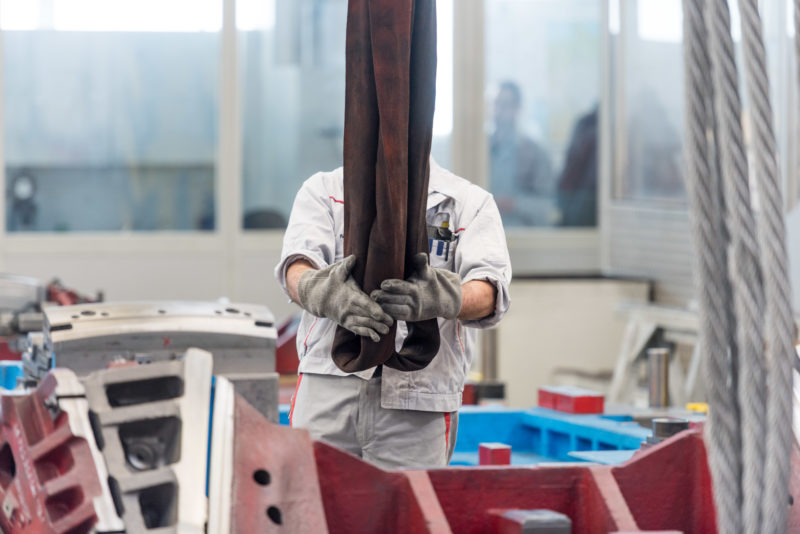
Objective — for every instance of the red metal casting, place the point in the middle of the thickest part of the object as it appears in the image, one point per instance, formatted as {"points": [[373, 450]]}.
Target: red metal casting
{"points": [[668, 486], [47, 475], [359, 497], [469, 496], [275, 482], [284, 482]]}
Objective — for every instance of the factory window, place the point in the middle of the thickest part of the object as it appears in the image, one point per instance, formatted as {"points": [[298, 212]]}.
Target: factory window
{"points": [[651, 81], [110, 114], [292, 58], [542, 74]]}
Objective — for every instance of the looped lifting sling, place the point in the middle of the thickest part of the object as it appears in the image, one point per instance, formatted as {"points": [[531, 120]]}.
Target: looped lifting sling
{"points": [[389, 103]]}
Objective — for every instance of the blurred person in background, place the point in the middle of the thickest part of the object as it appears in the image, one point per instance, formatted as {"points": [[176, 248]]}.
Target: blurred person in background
{"points": [[577, 184], [522, 178]]}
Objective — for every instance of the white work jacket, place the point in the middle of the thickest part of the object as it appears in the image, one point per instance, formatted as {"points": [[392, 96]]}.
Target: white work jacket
{"points": [[477, 251]]}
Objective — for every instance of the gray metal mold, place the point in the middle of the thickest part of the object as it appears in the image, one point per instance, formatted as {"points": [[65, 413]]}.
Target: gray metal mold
{"points": [[86, 337], [153, 426]]}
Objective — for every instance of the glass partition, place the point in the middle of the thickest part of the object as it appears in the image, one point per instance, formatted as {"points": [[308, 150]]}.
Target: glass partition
{"points": [[292, 57], [542, 74], [651, 81], [110, 114]]}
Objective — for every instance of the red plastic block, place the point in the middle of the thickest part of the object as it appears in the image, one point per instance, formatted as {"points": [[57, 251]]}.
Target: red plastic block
{"points": [[494, 454], [570, 399]]}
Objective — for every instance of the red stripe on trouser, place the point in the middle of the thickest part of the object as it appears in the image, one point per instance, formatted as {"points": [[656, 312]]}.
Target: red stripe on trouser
{"points": [[294, 398], [447, 430]]}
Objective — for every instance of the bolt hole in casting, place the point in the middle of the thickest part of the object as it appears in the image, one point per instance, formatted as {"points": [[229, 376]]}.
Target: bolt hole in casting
{"points": [[274, 513], [261, 476]]}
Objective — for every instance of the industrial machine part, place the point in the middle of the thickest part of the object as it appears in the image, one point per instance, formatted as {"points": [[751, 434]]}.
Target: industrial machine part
{"points": [[666, 487], [52, 476], [262, 477], [260, 390], [267, 478], [87, 337], [533, 522], [12, 324], [666, 427], [35, 360], [22, 300], [658, 377], [152, 424]]}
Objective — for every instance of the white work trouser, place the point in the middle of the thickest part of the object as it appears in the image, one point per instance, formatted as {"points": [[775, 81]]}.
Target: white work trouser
{"points": [[346, 412]]}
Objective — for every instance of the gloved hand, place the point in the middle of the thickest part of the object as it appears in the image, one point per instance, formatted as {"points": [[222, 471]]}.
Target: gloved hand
{"points": [[429, 293], [333, 294]]}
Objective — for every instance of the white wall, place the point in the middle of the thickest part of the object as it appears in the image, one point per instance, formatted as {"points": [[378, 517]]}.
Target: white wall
{"points": [[130, 267], [560, 323]]}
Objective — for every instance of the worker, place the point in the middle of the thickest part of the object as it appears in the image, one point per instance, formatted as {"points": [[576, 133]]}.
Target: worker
{"points": [[388, 417]]}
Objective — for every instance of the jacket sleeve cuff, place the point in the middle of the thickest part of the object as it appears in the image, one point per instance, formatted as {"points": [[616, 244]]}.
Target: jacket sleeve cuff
{"points": [[280, 270], [502, 302]]}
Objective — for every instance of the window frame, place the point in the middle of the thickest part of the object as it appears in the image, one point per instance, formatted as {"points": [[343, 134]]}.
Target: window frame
{"points": [[535, 251]]}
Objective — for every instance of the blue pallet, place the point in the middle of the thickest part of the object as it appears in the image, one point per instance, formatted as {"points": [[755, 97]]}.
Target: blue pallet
{"points": [[540, 435], [557, 434], [537, 435]]}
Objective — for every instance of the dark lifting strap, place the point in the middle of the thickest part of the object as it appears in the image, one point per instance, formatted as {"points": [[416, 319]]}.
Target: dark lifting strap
{"points": [[390, 94]]}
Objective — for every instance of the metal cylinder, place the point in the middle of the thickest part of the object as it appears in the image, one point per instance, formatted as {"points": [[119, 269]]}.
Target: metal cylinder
{"points": [[658, 377], [489, 354], [666, 427]]}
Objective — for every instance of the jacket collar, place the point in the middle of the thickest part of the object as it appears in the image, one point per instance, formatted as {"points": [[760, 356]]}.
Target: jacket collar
{"points": [[441, 185]]}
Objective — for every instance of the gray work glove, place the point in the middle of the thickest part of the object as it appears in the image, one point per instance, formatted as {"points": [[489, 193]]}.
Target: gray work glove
{"points": [[333, 294], [427, 294]]}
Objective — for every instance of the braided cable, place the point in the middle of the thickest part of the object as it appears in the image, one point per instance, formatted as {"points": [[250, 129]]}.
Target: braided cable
{"points": [[710, 240], [748, 298], [779, 324]]}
